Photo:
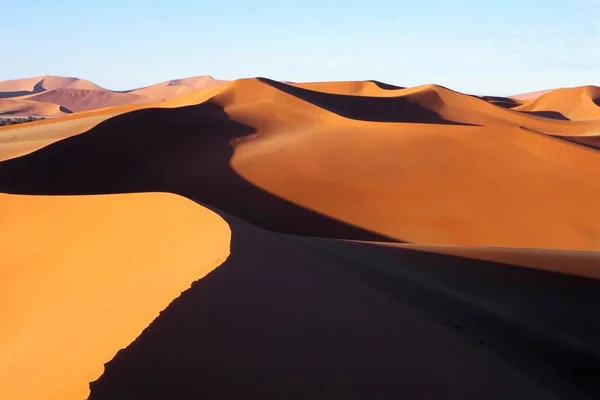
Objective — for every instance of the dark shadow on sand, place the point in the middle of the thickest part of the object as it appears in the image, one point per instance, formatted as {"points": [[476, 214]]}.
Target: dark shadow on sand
{"points": [[548, 114], [298, 318], [183, 150], [38, 88], [363, 108]]}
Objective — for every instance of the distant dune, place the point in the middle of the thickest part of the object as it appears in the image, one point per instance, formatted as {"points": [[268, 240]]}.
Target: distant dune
{"points": [[576, 104], [75, 95], [348, 239]]}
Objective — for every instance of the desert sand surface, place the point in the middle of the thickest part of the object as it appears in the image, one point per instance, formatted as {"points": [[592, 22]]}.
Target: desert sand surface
{"points": [[81, 277], [407, 242]]}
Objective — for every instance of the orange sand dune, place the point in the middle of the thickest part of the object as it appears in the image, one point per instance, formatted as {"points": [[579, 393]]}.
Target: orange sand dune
{"points": [[20, 87], [355, 167], [291, 317], [76, 95], [177, 87], [81, 277], [22, 107], [577, 104], [77, 100], [17, 140]]}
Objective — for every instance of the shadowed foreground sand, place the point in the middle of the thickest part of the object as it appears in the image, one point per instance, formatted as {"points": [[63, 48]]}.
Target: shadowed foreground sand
{"points": [[386, 242]]}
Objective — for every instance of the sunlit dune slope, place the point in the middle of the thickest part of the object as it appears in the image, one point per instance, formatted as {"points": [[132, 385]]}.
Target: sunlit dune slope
{"points": [[20, 87], [81, 277], [530, 95], [406, 168], [305, 318], [19, 107], [577, 104]]}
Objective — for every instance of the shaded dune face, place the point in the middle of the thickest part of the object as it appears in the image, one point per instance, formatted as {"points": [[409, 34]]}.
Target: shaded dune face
{"points": [[185, 151], [374, 109], [313, 318]]}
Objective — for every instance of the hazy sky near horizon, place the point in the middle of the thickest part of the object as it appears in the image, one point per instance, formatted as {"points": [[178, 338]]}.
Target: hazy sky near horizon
{"points": [[475, 46]]}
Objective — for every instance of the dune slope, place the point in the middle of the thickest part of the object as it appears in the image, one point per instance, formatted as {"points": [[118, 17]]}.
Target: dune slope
{"points": [[577, 104], [81, 277], [315, 318]]}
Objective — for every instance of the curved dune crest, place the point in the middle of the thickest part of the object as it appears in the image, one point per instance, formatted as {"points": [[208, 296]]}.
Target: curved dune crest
{"points": [[576, 104], [83, 276]]}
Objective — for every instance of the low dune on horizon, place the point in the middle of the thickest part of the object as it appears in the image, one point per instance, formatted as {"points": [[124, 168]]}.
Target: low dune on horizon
{"points": [[266, 239]]}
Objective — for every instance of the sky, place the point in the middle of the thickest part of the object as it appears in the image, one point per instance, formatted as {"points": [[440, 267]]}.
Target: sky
{"points": [[475, 46]]}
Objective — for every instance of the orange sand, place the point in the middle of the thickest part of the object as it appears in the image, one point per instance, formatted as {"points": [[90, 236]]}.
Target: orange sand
{"points": [[81, 277]]}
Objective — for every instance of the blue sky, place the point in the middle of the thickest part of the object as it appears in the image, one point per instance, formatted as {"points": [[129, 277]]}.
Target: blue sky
{"points": [[483, 47]]}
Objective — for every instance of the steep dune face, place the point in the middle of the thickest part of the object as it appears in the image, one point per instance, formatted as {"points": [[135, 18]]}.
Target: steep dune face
{"points": [[313, 163], [83, 276], [311, 318], [576, 104]]}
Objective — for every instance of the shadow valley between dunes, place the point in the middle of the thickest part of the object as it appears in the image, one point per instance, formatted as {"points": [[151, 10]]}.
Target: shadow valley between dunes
{"points": [[184, 150]]}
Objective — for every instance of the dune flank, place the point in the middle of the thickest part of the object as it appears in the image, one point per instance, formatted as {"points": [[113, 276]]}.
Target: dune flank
{"points": [[301, 317], [576, 104], [81, 277]]}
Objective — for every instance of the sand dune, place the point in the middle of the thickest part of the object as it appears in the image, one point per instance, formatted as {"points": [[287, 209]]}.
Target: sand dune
{"points": [[81, 277], [407, 180], [403, 242], [19, 87], [82, 99], [311, 318], [30, 108], [75, 95], [530, 95], [576, 104], [177, 87]]}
